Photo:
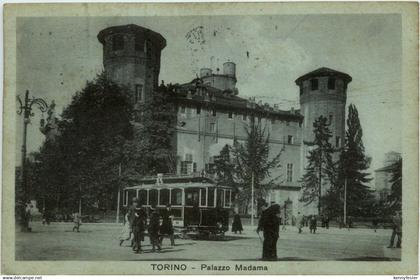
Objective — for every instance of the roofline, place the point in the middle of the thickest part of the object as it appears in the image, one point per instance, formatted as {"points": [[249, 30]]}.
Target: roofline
{"points": [[323, 73], [132, 28]]}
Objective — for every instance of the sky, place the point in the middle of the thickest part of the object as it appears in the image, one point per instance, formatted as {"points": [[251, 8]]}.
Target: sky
{"points": [[57, 55]]}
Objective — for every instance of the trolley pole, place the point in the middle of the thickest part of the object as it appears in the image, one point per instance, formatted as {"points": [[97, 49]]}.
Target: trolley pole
{"points": [[252, 199], [119, 194]]}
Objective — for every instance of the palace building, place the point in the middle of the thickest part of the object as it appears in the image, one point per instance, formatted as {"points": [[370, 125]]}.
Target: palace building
{"points": [[213, 114]]}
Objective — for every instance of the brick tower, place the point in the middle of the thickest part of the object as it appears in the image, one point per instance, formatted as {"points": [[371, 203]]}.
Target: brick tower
{"points": [[131, 58]]}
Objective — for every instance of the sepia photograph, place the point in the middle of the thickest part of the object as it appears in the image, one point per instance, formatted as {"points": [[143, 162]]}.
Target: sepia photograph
{"points": [[207, 142]]}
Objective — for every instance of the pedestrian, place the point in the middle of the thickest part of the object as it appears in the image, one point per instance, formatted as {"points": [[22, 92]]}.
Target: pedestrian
{"points": [[327, 221], [375, 224], [299, 222], [270, 224], [237, 224], [312, 224], [349, 223], [284, 219], [126, 230], [396, 230], [77, 221], [167, 226], [28, 217], [131, 215], [138, 227], [153, 229]]}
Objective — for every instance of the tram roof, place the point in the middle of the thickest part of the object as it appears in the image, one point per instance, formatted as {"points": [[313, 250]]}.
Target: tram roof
{"points": [[179, 182]]}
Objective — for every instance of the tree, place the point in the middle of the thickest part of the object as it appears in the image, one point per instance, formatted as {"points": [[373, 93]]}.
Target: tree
{"points": [[251, 161], [395, 197], [224, 168], [157, 118], [81, 164], [320, 168], [352, 167]]}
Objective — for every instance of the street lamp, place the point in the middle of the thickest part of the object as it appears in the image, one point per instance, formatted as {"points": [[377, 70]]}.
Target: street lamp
{"points": [[25, 108]]}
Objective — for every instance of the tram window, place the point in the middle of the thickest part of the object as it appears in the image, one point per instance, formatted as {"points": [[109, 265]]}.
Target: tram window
{"points": [[143, 197], [176, 197], [203, 201], [211, 197], [131, 194], [227, 198], [191, 197], [153, 197], [220, 198], [164, 197]]}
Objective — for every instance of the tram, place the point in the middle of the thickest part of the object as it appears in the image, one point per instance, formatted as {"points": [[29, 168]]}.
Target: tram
{"points": [[200, 208]]}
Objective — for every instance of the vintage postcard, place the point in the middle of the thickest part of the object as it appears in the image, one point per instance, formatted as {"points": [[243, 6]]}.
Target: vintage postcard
{"points": [[210, 138]]}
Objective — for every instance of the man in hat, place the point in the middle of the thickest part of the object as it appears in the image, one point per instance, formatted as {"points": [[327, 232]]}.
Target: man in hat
{"points": [[139, 227], [269, 224], [153, 229], [167, 227]]}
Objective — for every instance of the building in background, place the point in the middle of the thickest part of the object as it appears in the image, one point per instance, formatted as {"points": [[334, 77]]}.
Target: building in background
{"points": [[212, 114], [383, 176]]}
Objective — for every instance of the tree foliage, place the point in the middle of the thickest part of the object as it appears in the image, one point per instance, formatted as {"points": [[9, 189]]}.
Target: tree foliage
{"points": [[320, 167], [252, 159], [352, 167]]}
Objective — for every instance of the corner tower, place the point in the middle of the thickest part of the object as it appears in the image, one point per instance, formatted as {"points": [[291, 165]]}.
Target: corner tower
{"points": [[131, 58], [324, 92]]}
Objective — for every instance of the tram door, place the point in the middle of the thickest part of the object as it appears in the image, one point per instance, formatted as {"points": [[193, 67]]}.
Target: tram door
{"points": [[192, 210]]}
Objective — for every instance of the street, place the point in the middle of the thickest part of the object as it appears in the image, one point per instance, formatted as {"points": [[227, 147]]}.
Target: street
{"points": [[100, 242]]}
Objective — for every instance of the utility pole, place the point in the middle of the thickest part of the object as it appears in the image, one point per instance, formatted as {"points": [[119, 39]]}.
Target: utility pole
{"points": [[80, 200], [252, 199], [345, 201], [119, 194]]}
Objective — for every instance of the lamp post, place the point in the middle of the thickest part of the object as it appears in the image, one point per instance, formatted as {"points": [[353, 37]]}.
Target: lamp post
{"points": [[25, 108]]}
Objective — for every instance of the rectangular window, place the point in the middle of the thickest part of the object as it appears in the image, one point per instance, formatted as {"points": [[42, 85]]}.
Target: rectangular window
{"points": [[117, 42], [189, 157], [183, 109], [203, 200], [212, 127], [214, 112], [227, 198], [230, 115], [289, 172], [198, 110], [176, 197], [314, 84], [337, 141], [138, 44], [289, 139], [184, 167], [211, 197], [194, 167], [138, 94], [331, 83]]}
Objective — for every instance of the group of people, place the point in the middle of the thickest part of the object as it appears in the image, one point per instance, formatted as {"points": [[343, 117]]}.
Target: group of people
{"points": [[311, 220], [138, 220]]}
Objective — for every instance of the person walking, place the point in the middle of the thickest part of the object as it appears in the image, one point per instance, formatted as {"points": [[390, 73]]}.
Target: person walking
{"points": [[312, 224], [131, 216], [125, 234], [327, 221], [237, 224], [375, 224], [299, 222], [396, 230], [167, 226], [270, 224], [138, 226], [77, 221], [153, 229]]}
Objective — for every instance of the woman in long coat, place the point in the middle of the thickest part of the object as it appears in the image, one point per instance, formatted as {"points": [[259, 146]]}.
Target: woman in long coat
{"points": [[269, 224], [237, 224]]}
